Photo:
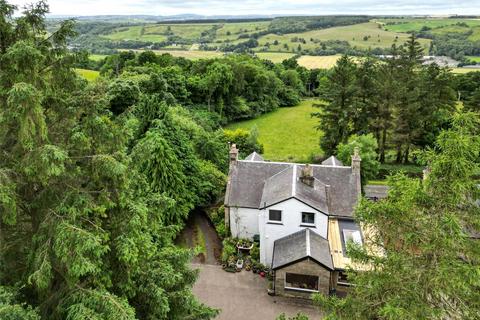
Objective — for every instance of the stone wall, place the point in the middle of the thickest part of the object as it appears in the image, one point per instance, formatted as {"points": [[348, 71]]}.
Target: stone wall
{"points": [[306, 267]]}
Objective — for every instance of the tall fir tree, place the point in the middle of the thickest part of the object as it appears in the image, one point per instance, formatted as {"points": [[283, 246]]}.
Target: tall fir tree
{"points": [[84, 234], [337, 113]]}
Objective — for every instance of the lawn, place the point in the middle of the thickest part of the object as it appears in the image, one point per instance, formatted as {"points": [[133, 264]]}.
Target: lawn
{"points": [[287, 134], [90, 75]]}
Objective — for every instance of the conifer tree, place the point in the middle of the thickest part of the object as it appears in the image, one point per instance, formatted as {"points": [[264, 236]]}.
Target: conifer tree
{"points": [[427, 267], [84, 234]]}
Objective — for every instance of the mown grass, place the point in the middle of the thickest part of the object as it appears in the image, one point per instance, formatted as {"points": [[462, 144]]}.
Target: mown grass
{"points": [[287, 134], [89, 75]]}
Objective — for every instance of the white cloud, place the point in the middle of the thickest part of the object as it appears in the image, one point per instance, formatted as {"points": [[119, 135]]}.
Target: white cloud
{"points": [[266, 7]]}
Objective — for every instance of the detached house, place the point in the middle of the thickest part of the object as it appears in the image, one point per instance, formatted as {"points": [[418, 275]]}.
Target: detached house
{"points": [[302, 215]]}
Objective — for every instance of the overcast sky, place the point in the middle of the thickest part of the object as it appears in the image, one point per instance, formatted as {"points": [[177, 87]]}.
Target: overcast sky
{"points": [[265, 7]]}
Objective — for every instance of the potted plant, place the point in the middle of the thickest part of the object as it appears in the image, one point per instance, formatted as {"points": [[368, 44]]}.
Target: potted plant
{"points": [[239, 264], [270, 289]]}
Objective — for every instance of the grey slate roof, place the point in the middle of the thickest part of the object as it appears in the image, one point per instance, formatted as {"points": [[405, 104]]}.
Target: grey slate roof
{"points": [[254, 184], [300, 245], [254, 157], [286, 184], [332, 161]]}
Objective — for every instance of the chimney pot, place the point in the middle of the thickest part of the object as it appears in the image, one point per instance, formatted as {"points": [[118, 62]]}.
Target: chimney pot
{"points": [[307, 176], [233, 153]]}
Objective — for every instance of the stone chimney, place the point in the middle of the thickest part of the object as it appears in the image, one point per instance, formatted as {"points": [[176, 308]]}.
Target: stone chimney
{"points": [[328, 195], [356, 160], [306, 176], [233, 154]]}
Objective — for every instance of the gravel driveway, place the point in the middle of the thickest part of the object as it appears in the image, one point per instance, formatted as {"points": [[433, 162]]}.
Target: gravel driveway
{"points": [[243, 296]]}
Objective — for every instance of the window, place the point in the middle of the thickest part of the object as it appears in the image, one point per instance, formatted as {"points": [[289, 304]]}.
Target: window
{"points": [[308, 218], [352, 235], [301, 282], [343, 279], [275, 216]]}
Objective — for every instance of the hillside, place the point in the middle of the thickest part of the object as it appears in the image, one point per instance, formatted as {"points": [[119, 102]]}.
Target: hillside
{"points": [[362, 36], [287, 134]]}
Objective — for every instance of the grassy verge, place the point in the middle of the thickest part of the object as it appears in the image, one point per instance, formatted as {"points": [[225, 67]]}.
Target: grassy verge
{"points": [[287, 134], [200, 243]]}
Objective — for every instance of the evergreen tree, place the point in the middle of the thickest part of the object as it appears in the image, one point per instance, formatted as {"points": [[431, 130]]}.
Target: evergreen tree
{"points": [[337, 113], [84, 232], [421, 254]]}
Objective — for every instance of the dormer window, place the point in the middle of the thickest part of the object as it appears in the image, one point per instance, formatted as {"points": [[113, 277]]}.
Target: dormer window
{"points": [[275, 216], [308, 218], [352, 235]]}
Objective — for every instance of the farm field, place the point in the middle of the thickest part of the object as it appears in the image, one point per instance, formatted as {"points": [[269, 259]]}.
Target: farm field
{"points": [[275, 57], [354, 34], [287, 134], [187, 54], [318, 62], [89, 75], [405, 25], [473, 58], [97, 57], [465, 70], [223, 32]]}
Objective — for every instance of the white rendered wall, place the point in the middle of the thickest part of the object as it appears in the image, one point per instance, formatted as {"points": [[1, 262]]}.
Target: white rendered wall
{"points": [[291, 222], [244, 222]]}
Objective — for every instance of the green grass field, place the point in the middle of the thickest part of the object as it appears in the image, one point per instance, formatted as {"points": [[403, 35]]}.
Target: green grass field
{"points": [[97, 57], [187, 54], [405, 25], [354, 34], [473, 58], [287, 134], [275, 57], [89, 75], [464, 70]]}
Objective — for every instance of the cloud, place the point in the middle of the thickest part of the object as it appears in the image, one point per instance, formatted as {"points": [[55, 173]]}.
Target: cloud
{"points": [[266, 7]]}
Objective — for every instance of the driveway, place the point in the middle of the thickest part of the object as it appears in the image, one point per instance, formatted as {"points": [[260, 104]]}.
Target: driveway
{"points": [[243, 295]]}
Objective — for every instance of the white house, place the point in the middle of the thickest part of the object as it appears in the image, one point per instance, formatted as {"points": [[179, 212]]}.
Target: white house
{"points": [[302, 214]]}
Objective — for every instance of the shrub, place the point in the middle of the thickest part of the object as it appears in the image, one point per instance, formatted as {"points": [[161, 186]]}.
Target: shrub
{"points": [[229, 249]]}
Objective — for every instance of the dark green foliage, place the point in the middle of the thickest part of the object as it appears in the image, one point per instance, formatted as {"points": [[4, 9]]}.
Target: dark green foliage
{"points": [[367, 146], [403, 103], [90, 202], [428, 265], [234, 87], [246, 141], [339, 92]]}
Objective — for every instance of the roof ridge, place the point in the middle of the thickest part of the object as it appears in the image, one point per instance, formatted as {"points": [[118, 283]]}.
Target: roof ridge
{"points": [[298, 164], [275, 173]]}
